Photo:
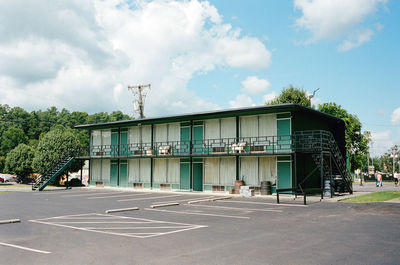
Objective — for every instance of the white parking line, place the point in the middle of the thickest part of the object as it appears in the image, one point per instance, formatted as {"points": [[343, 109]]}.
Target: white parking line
{"points": [[267, 203], [129, 228], [236, 208], [116, 196], [150, 198], [25, 248], [145, 224], [92, 194], [207, 214]]}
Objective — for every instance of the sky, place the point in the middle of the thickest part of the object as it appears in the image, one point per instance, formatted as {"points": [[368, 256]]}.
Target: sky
{"points": [[204, 55]]}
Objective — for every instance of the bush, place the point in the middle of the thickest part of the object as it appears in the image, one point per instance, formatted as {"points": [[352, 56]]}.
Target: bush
{"points": [[19, 161], [74, 183]]}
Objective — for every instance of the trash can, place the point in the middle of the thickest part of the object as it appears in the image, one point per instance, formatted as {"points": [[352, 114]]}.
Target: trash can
{"points": [[266, 187]]}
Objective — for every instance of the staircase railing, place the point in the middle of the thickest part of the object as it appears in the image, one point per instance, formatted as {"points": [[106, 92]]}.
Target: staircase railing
{"points": [[43, 180], [318, 141]]}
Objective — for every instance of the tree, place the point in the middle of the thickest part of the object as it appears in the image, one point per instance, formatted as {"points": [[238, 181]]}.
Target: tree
{"points": [[356, 142], [2, 162], [54, 146], [19, 160], [292, 95], [118, 116], [11, 138]]}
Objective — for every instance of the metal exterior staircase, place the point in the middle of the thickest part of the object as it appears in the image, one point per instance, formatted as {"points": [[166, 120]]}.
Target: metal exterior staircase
{"points": [[322, 146], [45, 179]]}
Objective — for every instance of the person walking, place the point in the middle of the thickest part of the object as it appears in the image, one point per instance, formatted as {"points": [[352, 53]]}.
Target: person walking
{"points": [[376, 178], [396, 179], [379, 179]]}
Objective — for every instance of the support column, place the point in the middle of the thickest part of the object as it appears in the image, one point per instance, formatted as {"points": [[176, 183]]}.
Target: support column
{"points": [[322, 174], [151, 159], [190, 157], [295, 170], [237, 156]]}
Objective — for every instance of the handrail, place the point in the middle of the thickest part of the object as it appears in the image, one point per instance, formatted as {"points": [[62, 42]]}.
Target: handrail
{"points": [[228, 146]]}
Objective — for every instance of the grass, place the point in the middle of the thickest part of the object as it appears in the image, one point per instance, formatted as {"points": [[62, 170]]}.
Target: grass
{"points": [[379, 196], [6, 191]]}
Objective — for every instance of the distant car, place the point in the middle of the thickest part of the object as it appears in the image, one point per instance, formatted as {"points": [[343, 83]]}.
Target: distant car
{"points": [[23, 180], [6, 178], [2, 180]]}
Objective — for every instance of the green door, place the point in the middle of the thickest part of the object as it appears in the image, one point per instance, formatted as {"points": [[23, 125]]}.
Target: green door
{"points": [[124, 144], [283, 132], [185, 141], [114, 144], [185, 176], [284, 175], [114, 174], [123, 174], [198, 176], [198, 139]]}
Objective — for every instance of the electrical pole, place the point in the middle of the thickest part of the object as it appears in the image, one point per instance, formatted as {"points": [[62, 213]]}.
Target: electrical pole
{"points": [[139, 93]]}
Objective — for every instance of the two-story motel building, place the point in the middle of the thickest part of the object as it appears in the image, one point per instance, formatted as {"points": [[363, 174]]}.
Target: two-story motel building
{"points": [[208, 151]]}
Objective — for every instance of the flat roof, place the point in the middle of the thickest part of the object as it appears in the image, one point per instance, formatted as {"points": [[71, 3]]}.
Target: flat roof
{"points": [[213, 114]]}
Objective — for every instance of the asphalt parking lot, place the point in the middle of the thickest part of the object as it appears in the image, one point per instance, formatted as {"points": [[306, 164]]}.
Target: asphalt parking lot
{"points": [[71, 227]]}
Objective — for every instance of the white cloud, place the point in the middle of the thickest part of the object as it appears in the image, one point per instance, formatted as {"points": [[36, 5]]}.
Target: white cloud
{"points": [[331, 20], [270, 96], [381, 142], [254, 85], [396, 116], [241, 101], [356, 40], [84, 55]]}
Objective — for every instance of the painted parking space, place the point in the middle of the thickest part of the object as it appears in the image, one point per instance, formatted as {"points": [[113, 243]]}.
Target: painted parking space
{"points": [[118, 225]]}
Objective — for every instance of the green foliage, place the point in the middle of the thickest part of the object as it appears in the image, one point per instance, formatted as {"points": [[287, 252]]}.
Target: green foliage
{"points": [[380, 196], [2, 163], [11, 138], [36, 124], [54, 146], [19, 160], [292, 95], [356, 142]]}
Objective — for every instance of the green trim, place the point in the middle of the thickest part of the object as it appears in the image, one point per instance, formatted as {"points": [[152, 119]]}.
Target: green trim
{"points": [[283, 115], [199, 160], [185, 160], [147, 185], [156, 186], [282, 108], [175, 186], [284, 158], [184, 124], [198, 123]]}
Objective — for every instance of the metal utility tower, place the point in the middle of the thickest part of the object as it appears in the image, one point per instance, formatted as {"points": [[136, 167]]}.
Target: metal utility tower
{"points": [[139, 93]]}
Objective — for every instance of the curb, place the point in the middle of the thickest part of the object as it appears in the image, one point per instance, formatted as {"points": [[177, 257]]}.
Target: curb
{"points": [[164, 204], [209, 200], [122, 210], [10, 221]]}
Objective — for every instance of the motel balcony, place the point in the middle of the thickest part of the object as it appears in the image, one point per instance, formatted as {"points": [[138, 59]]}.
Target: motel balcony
{"points": [[264, 145]]}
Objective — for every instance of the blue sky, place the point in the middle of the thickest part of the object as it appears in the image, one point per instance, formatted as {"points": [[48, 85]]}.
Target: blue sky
{"points": [[204, 55]]}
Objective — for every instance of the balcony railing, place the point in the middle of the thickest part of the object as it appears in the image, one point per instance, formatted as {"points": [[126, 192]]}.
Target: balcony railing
{"points": [[208, 147]]}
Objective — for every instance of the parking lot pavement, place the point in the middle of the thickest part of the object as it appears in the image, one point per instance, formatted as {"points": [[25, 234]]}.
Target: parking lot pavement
{"points": [[71, 227]]}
